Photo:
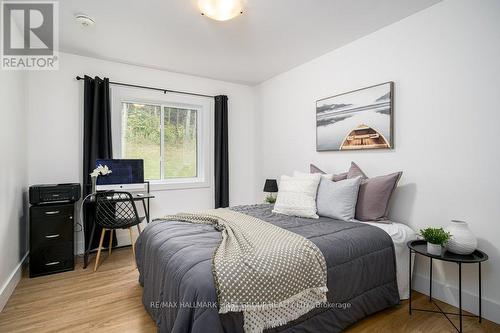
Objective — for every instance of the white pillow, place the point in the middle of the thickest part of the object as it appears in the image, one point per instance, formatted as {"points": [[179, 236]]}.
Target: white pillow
{"points": [[297, 195], [338, 199]]}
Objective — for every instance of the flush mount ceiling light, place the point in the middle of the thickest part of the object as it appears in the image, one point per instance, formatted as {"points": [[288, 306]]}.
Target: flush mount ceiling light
{"points": [[84, 20], [221, 10]]}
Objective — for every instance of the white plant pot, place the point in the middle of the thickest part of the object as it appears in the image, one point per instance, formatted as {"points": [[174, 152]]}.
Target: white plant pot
{"points": [[434, 249], [462, 240]]}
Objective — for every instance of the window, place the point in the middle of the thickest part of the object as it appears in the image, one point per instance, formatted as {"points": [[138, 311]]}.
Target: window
{"points": [[180, 143], [170, 132], [141, 136], [165, 137]]}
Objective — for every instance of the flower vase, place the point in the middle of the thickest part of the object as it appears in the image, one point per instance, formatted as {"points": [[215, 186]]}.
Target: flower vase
{"points": [[434, 249], [462, 240], [94, 184]]}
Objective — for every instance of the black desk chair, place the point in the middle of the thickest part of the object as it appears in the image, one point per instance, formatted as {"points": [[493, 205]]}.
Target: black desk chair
{"points": [[115, 210]]}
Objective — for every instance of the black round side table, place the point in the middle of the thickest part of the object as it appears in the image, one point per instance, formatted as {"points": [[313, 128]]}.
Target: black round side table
{"points": [[477, 257]]}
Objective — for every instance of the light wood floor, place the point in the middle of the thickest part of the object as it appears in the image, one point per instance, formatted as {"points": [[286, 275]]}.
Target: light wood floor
{"points": [[110, 301]]}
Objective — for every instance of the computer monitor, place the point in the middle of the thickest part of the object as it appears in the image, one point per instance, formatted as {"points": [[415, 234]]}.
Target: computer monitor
{"points": [[127, 174]]}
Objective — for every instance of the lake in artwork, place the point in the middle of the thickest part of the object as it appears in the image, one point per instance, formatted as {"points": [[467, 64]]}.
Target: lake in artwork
{"points": [[360, 119]]}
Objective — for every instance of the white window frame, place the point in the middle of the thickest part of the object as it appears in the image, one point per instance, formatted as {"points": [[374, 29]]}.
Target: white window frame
{"points": [[204, 108]]}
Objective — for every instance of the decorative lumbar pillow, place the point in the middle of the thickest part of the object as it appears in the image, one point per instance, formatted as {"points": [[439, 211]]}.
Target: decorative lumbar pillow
{"points": [[338, 199], [331, 176], [374, 195], [297, 195]]}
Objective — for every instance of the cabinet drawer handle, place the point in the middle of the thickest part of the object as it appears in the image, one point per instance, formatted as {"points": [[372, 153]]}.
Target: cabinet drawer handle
{"points": [[53, 212], [52, 263], [52, 236]]}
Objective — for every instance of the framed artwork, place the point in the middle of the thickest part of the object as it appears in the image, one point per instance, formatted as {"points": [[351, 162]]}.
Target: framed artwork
{"points": [[356, 120]]}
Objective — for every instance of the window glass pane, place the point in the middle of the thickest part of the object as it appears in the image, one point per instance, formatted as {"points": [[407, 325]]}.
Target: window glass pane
{"points": [[141, 136], [180, 145]]}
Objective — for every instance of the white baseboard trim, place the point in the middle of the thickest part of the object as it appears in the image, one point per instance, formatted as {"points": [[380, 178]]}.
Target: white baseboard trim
{"points": [[10, 284], [449, 294]]}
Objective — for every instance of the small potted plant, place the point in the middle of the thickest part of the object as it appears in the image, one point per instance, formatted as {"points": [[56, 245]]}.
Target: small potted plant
{"points": [[270, 198], [436, 238]]}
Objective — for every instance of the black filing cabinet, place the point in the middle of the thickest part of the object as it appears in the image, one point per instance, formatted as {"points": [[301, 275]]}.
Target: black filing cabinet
{"points": [[51, 238]]}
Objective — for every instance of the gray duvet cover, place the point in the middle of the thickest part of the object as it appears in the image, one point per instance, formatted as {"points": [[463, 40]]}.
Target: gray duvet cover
{"points": [[174, 262]]}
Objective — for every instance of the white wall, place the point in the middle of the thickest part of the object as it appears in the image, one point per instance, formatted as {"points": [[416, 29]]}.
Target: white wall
{"points": [[13, 180], [445, 65], [56, 123]]}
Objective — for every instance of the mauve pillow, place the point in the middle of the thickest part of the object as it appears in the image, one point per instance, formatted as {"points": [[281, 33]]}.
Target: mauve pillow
{"points": [[315, 169], [340, 176], [355, 171], [374, 194], [335, 178]]}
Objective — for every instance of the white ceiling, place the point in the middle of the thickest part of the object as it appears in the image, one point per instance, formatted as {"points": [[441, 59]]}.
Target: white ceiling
{"points": [[271, 37]]}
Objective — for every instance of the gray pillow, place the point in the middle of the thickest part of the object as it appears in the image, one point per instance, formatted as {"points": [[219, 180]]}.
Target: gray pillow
{"points": [[338, 199], [335, 178], [374, 194]]}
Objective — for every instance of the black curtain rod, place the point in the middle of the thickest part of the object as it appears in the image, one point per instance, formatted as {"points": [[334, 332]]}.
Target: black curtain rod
{"points": [[152, 88]]}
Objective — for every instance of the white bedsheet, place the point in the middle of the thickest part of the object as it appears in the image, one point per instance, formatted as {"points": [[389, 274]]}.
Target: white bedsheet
{"points": [[400, 234]]}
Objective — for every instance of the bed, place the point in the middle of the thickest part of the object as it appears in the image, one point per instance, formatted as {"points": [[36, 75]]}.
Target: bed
{"points": [[365, 263]]}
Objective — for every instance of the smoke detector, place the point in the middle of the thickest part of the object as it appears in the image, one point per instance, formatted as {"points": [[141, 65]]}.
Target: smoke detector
{"points": [[84, 20]]}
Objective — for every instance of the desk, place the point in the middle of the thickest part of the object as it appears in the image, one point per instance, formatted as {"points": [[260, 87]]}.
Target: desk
{"points": [[144, 197]]}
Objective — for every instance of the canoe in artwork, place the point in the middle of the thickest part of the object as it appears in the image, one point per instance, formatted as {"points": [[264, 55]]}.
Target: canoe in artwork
{"points": [[364, 137]]}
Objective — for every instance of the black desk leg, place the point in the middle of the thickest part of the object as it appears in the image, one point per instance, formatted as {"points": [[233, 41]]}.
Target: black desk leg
{"points": [[409, 283], [149, 191], [86, 251], [430, 280], [146, 210], [460, 293], [480, 314]]}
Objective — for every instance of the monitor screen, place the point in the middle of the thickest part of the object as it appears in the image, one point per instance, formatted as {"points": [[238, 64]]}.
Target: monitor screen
{"points": [[124, 171]]}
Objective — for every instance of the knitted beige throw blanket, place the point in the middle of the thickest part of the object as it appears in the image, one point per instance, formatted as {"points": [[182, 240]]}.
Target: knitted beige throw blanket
{"points": [[270, 274]]}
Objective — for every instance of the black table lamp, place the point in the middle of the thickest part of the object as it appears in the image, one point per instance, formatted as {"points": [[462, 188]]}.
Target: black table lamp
{"points": [[271, 186]]}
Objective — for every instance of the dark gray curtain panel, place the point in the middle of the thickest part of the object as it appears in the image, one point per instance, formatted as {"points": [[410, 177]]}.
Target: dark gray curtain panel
{"points": [[97, 144], [221, 153]]}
